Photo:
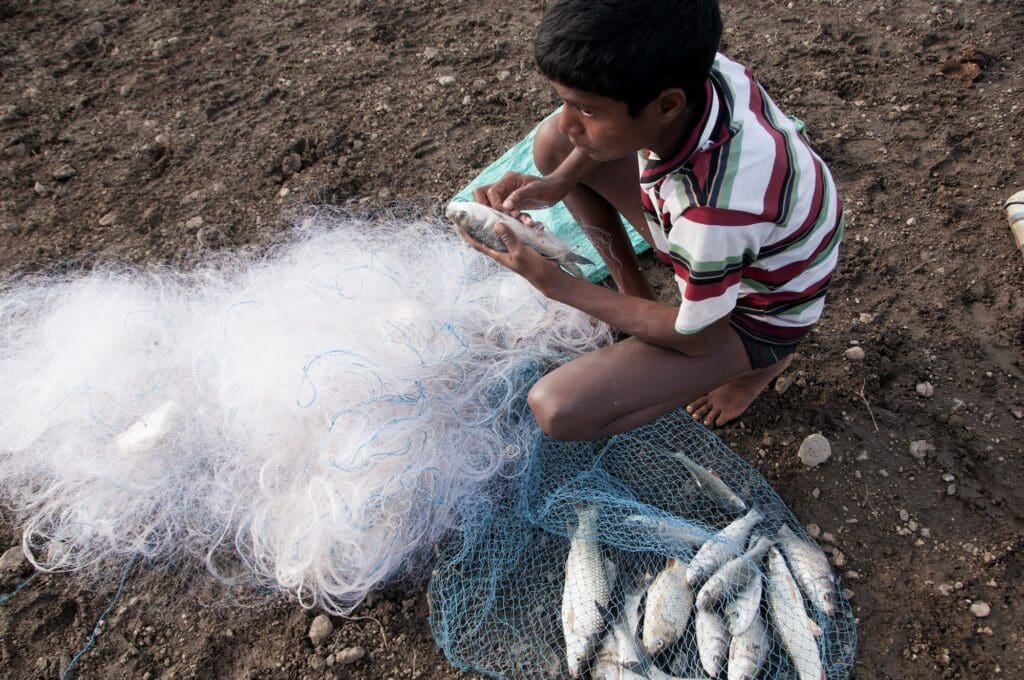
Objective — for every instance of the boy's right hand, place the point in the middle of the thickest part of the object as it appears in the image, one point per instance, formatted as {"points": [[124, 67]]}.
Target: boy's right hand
{"points": [[516, 191]]}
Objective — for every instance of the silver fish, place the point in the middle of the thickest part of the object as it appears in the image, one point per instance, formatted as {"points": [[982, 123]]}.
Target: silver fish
{"points": [[586, 593], [734, 577], [712, 642], [748, 651], [722, 547], [669, 603], [684, 535], [479, 221], [795, 629], [810, 567], [740, 612], [712, 485]]}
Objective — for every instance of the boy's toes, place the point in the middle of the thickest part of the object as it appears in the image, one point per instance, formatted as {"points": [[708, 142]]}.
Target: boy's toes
{"points": [[698, 407], [712, 417]]}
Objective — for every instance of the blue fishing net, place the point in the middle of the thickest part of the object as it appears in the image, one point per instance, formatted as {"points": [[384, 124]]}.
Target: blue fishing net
{"points": [[580, 568]]}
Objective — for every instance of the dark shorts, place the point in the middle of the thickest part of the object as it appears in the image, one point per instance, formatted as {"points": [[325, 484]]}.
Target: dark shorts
{"points": [[763, 352]]}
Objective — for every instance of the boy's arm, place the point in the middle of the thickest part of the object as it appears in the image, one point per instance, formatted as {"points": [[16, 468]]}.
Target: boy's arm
{"points": [[518, 191], [650, 321]]}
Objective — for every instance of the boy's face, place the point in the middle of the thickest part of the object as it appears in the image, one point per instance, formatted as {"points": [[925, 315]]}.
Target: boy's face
{"points": [[602, 127]]}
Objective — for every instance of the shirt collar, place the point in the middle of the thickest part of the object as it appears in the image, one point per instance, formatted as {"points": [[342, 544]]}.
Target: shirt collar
{"points": [[698, 139]]}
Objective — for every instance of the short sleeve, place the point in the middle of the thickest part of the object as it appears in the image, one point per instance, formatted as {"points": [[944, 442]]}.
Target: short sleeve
{"points": [[709, 248]]}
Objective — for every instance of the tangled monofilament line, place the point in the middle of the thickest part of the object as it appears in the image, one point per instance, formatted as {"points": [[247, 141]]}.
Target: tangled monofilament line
{"points": [[333, 404]]}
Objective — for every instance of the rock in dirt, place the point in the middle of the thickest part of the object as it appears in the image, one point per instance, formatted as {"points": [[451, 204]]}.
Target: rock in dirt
{"points": [[855, 353], [920, 449], [12, 561], [925, 389], [446, 80], [320, 630], [64, 173], [349, 655], [814, 450], [981, 609], [813, 530]]}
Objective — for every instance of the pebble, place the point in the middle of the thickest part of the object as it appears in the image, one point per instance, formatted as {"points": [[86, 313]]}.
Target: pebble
{"points": [[349, 655], [41, 189], [925, 389], [320, 630], [948, 477], [838, 558], [64, 173], [816, 493], [814, 450], [503, 75], [1017, 412], [446, 80], [851, 574], [855, 353], [912, 525], [981, 609], [904, 515], [828, 537], [951, 490], [194, 222], [866, 318], [108, 219], [927, 533], [783, 383], [13, 560], [813, 530], [920, 449], [430, 53]]}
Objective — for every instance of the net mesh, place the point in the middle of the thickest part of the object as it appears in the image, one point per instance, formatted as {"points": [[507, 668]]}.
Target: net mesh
{"points": [[657, 553]]}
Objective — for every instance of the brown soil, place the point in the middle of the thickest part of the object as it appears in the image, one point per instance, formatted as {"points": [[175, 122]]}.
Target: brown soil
{"points": [[168, 111]]}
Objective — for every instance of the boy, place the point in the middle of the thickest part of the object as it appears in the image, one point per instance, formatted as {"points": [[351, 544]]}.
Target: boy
{"points": [[687, 146]]}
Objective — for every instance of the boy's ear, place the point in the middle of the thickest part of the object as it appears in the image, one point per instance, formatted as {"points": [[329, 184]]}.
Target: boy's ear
{"points": [[672, 102]]}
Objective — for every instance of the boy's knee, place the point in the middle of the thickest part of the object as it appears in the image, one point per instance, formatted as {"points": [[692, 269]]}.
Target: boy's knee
{"points": [[550, 147], [555, 414]]}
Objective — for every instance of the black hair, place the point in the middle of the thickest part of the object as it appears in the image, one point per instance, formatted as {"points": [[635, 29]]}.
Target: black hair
{"points": [[629, 50]]}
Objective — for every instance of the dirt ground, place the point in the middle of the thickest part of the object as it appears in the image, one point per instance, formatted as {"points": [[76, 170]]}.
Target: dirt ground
{"points": [[155, 131]]}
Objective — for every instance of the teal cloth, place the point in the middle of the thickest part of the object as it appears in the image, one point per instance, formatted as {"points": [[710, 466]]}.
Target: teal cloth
{"points": [[556, 219]]}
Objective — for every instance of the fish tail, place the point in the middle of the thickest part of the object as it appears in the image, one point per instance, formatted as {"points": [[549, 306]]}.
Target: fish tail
{"points": [[576, 258]]}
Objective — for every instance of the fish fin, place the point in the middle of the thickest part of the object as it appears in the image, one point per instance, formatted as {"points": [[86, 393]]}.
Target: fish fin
{"points": [[815, 628], [576, 258], [611, 572], [634, 667], [572, 268], [605, 612]]}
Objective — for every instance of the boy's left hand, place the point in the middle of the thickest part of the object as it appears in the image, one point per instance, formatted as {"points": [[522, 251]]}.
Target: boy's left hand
{"points": [[521, 259]]}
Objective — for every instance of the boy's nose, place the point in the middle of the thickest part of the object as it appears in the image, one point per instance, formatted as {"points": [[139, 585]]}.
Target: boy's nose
{"points": [[567, 123]]}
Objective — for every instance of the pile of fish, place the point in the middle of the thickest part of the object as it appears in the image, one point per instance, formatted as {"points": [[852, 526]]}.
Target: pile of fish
{"points": [[745, 580]]}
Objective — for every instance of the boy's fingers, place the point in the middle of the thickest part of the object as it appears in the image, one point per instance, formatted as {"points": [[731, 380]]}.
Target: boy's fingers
{"points": [[507, 237]]}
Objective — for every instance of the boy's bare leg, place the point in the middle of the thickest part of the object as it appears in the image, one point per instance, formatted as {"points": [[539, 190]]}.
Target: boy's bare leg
{"points": [[595, 204], [627, 384], [729, 401]]}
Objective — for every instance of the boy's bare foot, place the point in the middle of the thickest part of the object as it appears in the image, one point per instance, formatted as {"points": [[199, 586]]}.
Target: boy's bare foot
{"points": [[725, 403]]}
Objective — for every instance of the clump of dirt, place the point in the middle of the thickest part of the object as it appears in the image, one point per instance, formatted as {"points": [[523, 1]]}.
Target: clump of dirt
{"points": [[159, 133]]}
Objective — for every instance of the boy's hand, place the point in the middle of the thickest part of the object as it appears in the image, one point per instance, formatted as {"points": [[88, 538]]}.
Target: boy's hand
{"points": [[516, 191], [521, 259]]}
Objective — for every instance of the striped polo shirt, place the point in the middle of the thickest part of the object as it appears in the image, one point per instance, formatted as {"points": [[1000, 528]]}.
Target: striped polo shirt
{"points": [[745, 213]]}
